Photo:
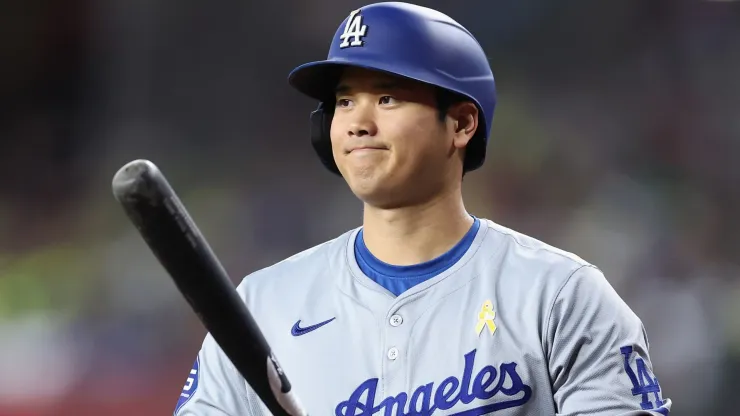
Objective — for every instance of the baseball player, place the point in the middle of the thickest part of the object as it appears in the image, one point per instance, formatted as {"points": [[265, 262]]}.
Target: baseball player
{"points": [[426, 309]]}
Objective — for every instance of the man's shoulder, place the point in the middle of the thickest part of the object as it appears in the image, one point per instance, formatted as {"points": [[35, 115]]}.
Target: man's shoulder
{"points": [[533, 267], [526, 250], [296, 268]]}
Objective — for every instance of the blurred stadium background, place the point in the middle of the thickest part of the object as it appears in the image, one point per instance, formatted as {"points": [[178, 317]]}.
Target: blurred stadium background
{"points": [[616, 136]]}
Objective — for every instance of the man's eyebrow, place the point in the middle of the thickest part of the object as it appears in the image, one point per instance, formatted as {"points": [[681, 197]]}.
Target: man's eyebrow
{"points": [[388, 85]]}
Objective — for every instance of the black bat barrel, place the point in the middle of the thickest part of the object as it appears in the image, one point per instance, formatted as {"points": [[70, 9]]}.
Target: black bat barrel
{"points": [[165, 225]]}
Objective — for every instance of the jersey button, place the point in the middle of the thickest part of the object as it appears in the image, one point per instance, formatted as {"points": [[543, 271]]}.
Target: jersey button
{"points": [[396, 320], [393, 353]]}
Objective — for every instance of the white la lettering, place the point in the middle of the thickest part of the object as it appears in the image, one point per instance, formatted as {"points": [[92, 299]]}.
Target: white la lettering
{"points": [[353, 29]]}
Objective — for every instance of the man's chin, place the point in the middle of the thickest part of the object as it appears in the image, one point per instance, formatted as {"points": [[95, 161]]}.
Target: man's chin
{"points": [[381, 197]]}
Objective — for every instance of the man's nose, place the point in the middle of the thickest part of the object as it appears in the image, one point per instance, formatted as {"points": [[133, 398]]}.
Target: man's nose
{"points": [[363, 123]]}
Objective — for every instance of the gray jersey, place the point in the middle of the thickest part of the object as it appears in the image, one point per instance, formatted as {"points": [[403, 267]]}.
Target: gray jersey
{"points": [[515, 327]]}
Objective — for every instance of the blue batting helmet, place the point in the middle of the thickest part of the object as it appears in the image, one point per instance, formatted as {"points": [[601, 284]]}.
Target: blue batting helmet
{"points": [[409, 41]]}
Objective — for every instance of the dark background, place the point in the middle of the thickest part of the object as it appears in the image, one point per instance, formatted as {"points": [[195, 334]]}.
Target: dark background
{"points": [[615, 137]]}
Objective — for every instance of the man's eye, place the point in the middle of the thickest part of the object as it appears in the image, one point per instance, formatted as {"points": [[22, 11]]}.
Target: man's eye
{"points": [[387, 99], [342, 102]]}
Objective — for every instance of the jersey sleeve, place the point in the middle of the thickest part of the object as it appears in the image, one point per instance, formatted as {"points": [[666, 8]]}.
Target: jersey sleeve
{"points": [[597, 351], [214, 387]]}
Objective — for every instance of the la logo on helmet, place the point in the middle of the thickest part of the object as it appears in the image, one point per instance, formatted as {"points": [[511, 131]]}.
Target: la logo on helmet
{"points": [[354, 29]]}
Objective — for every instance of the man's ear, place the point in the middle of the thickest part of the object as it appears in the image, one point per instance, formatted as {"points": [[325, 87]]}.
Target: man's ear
{"points": [[465, 120]]}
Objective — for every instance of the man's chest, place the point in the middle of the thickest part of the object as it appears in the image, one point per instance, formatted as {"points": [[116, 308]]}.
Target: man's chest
{"points": [[462, 355]]}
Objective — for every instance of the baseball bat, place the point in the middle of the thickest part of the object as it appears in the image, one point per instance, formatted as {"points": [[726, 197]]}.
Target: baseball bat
{"points": [[171, 234]]}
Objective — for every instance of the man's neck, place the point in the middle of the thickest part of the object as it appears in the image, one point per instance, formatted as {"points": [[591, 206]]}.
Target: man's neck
{"points": [[412, 235]]}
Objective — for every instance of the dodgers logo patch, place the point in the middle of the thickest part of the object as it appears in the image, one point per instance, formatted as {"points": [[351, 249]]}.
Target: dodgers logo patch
{"points": [[191, 385], [502, 383], [644, 384]]}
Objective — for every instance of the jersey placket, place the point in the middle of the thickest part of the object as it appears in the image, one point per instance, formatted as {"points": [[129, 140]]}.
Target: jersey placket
{"points": [[396, 330]]}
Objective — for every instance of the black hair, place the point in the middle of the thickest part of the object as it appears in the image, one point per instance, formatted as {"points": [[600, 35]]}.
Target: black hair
{"points": [[445, 100]]}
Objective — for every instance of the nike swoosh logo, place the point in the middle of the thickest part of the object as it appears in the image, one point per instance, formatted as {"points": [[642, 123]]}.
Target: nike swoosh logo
{"points": [[298, 331]]}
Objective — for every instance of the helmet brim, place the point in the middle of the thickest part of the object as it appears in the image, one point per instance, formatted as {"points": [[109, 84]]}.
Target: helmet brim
{"points": [[319, 79]]}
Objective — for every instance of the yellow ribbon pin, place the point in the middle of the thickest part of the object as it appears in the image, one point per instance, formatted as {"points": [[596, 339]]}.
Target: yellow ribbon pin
{"points": [[485, 318]]}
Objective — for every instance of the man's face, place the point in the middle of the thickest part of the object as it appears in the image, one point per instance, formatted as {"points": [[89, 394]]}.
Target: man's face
{"points": [[387, 139]]}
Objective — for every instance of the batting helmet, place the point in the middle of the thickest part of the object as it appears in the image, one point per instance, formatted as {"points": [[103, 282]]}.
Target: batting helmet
{"points": [[409, 41]]}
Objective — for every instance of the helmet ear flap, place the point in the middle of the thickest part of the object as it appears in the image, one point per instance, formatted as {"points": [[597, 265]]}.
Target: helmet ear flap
{"points": [[321, 135]]}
